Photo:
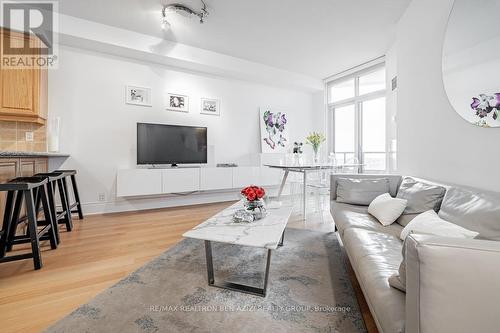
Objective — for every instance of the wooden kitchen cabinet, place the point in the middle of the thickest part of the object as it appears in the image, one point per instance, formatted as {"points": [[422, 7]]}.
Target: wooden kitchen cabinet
{"points": [[8, 169], [30, 166], [23, 92], [19, 167]]}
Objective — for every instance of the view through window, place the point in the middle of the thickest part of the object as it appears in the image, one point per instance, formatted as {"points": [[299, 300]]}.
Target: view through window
{"points": [[358, 112]]}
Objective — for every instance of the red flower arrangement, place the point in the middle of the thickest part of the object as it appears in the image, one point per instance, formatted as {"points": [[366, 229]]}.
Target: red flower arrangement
{"points": [[252, 193]]}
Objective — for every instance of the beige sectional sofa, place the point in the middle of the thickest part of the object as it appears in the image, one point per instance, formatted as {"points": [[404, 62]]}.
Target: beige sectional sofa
{"points": [[452, 285]]}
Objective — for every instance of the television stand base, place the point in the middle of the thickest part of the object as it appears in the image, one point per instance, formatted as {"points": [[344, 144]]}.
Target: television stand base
{"points": [[173, 166]]}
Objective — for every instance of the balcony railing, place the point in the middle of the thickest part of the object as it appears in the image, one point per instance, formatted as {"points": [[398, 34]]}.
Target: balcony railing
{"points": [[375, 161]]}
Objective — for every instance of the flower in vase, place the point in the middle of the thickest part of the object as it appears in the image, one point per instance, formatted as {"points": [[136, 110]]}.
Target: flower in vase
{"points": [[315, 139], [252, 193]]}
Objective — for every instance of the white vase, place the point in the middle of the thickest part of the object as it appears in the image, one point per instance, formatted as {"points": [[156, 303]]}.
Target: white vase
{"points": [[53, 136], [297, 160], [53, 143], [316, 158]]}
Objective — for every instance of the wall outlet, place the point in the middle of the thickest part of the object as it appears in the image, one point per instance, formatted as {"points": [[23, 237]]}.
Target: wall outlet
{"points": [[29, 136], [101, 196]]}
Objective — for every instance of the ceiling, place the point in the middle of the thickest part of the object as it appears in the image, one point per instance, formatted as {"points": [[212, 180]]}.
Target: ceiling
{"points": [[316, 37]]}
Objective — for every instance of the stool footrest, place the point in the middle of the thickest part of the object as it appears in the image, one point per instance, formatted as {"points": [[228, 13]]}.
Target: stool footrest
{"points": [[21, 239], [60, 215], [16, 257]]}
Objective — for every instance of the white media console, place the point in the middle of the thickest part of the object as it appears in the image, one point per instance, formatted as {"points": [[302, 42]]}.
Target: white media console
{"points": [[144, 182]]}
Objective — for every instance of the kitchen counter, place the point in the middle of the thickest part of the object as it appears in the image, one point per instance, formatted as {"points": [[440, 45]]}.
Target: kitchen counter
{"points": [[11, 154]]}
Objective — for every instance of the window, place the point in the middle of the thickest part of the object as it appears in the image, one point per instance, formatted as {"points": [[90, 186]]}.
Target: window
{"points": [[371, 82], [345, 130], [358, 112], [342, 90], [373, 134]]}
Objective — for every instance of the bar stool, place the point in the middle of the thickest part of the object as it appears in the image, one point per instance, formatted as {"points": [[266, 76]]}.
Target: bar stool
{"points": [[77, 203], [55, 180], [17, 190]]}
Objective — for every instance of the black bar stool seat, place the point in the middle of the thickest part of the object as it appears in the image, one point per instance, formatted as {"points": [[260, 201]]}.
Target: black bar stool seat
{"points": [[68, 172], [23, 183], [51, 176], [77, 204], [19, 190], [55, 180]]}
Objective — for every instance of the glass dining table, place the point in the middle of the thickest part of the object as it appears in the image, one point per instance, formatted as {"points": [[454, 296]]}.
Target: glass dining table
{"points": [[305, 170]]}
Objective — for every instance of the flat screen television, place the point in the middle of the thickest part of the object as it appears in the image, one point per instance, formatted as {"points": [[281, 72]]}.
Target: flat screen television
{"points": [[171, 144]]}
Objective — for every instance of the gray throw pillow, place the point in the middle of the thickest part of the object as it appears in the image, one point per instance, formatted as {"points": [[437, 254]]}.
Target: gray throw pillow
{"points": [[357, 191], [421, 197]]}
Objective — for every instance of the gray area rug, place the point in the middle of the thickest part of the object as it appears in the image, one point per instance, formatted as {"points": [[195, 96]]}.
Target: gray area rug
{"points": [[308, 291]]}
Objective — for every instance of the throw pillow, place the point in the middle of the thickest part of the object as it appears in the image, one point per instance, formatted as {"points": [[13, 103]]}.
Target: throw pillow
{"points": [[426, 223], [398, 280], [430, 223], [421, 197], [358, 191], [387, 209]]}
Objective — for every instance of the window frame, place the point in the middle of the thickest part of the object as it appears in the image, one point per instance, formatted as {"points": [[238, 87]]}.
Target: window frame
{"points": [[357, 100]]}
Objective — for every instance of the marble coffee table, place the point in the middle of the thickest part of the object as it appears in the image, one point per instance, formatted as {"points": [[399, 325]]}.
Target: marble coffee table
{"points": [[267, 233]]}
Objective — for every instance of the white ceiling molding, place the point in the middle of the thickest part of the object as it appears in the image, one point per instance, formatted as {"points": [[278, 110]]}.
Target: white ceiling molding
{"points": [[350, 71], [80, 33], [316, 38]]}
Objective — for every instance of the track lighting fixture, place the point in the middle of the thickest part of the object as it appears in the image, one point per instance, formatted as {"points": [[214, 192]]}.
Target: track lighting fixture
{"points": [[180, 8]]}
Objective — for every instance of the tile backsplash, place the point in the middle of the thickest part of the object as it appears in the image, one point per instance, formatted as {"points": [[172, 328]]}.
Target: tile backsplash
{"points": [[13, 136]]}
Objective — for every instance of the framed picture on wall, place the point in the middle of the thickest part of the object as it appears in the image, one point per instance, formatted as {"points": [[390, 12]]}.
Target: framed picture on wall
{"points": [[274, 136], [176, 102], [138, 95], [210, 106]]}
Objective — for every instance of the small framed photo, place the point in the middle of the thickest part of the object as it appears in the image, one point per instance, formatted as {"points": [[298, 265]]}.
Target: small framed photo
{"points": [[177, 102], [138, 95], [210, 106]]}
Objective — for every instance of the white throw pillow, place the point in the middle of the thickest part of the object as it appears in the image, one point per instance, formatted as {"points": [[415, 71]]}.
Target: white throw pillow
{"points": [[430, 223], [386, 208]]}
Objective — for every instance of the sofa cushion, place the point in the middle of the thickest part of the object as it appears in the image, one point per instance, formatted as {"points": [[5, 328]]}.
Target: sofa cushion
{"points": [[394, 181], [351, 216], [474, 210], [422, 196], [360, 191], [375, 257]]}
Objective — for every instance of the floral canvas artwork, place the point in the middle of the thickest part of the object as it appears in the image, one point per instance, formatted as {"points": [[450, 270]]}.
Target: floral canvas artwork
{"points": [[487, 109], [273, 131]]}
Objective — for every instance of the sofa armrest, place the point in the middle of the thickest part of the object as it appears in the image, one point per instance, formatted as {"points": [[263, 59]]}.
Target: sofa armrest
{"points": [[394, 181], [452, 285]]}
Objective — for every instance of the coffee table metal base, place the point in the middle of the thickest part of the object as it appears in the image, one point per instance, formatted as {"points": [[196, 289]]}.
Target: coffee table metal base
{"points": [[235, 286]]}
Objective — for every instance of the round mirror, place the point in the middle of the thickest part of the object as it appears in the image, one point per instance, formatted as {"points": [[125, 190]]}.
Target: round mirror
{"points": [[471, 61]]}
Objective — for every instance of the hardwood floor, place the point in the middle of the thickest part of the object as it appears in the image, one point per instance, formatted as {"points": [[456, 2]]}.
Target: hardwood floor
{"points": [[101, 250]]}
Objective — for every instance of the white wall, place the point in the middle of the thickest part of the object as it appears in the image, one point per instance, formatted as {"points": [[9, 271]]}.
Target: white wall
{"points": [[391, 68], [99, 129], [433, 140]]}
